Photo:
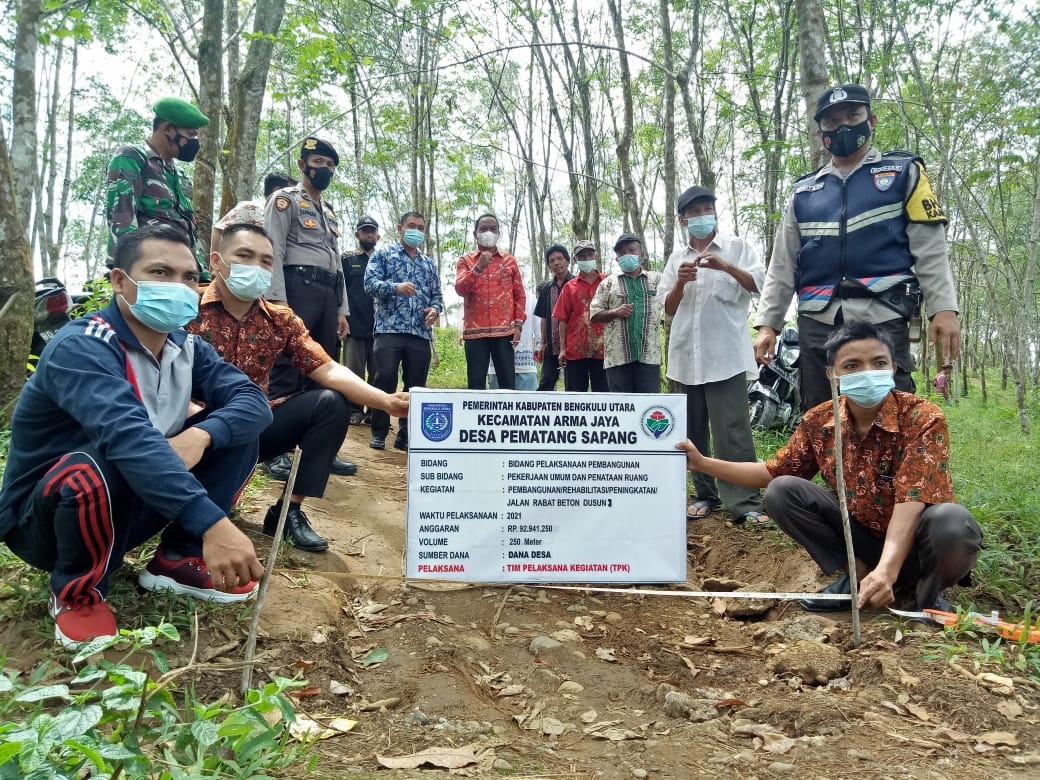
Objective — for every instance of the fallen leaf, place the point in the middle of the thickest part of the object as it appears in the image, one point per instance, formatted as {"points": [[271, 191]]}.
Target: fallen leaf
{"points": [[511, 690], [305, 729], [583, 622], [907, 679], [777, 743], [445, 758], [1026, 759], [918, 711], [302, 693], [605, 654], [339, 689], [734, 704], [616, 734], [303, 664], [554, 727], [696, 641], [374, 656], [589, 717], [1009, 709], [955, 736], [999, 738], [319, 637], [894, 707]]}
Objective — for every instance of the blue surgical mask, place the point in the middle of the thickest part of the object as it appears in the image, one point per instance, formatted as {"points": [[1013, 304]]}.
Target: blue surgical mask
{"points": [[867, 388], [586, 266], [702, 226], [247, 282], [413, 238], [628, 263], [164, 306]]}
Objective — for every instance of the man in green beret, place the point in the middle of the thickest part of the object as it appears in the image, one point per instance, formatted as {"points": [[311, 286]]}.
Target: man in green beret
{"points": [[144, 185]]}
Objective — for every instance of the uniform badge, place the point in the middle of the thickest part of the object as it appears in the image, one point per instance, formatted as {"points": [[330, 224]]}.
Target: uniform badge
{"points": [[884, 180], [335, 231], [310, 144], [305, 205], [310, 223], [838, 95], [281, 203]]}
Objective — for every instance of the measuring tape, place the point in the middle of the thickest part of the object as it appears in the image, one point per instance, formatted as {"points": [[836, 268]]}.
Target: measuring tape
{"points": [[687, 594], [708, 594]]}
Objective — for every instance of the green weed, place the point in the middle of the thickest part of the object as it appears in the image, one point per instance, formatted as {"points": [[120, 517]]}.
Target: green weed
{"points": [[112, 720]]}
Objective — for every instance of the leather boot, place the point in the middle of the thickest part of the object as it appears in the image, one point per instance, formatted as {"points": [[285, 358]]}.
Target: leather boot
{"points": [[297, 528]]}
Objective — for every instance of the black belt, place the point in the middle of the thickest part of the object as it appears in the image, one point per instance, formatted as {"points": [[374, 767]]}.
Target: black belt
{"points": [[312, 273], [853, 291]]}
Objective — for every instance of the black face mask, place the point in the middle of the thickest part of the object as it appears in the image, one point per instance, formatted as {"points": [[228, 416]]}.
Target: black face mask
{"points": [[368, 246], [846, 140], [320, 177], [185, 152]]}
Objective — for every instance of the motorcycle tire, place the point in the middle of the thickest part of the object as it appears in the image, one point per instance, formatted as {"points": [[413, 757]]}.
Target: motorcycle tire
{"points": [[762, 413]]}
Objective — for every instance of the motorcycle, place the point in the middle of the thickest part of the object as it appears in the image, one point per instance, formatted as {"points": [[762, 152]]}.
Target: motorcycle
{"points": [[52, 308], [773, 400]]}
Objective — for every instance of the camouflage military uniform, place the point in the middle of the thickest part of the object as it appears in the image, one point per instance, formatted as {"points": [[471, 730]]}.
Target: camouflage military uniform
{"points": [[145, 189]]}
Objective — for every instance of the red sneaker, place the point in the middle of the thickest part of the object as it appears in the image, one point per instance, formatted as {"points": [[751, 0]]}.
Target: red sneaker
{"points": [[75, 624], [189, 577]]}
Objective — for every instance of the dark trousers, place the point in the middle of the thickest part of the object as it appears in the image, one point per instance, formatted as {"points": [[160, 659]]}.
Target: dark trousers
{"points": [[717, 423], [358, 357], [398, 352], [813, 385], [580, 376], [83, 517], [317, 420], [634, 377], [498, 350], [317, 306], [946, 542], [550, 371]]}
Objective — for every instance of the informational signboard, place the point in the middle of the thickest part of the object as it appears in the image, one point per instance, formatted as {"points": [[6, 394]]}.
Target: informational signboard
{"points": [[546, 487]]}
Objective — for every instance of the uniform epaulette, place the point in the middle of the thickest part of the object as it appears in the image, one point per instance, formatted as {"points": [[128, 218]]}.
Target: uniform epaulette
{"points": [[903, 153], [809, 175]]}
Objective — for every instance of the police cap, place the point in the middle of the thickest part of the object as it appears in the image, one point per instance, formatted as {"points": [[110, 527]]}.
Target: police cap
{"points": [[312, 145], [180, 113], [367, 222], [843, 93]]}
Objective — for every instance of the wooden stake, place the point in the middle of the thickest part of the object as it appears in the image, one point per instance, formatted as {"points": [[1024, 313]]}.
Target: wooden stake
{"points": [[843, 506], [247, 670]]}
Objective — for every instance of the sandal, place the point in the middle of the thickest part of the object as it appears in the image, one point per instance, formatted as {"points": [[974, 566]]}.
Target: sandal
{"points": [[698, 510], [753, 518]]}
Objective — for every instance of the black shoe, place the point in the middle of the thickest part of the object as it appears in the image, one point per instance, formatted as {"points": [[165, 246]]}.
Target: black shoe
{"points": [[942, 605], [840, 585], [277, 468], [343, 468], [297, 529], [401, 443], [378, 443], [356, 418]]}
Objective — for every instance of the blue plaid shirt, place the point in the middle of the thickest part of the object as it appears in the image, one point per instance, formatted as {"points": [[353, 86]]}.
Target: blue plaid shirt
{"points": [[396, 313]]}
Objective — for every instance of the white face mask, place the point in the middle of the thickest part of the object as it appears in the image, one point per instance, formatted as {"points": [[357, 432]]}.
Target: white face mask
{"points": [[487, 238]]}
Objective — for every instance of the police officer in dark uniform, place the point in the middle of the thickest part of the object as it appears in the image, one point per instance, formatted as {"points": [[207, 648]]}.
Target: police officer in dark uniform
{"points": [[357, 350], [307, 274], [861, 240]]}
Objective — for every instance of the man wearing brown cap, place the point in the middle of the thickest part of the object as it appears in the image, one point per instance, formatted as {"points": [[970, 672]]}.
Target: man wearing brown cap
{"points": [[307, 273], [144, 185], [706, 287], [862, 239]]}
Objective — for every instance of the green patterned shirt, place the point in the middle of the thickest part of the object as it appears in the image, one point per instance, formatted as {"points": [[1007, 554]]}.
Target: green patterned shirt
{"points": [[144, 189]]}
